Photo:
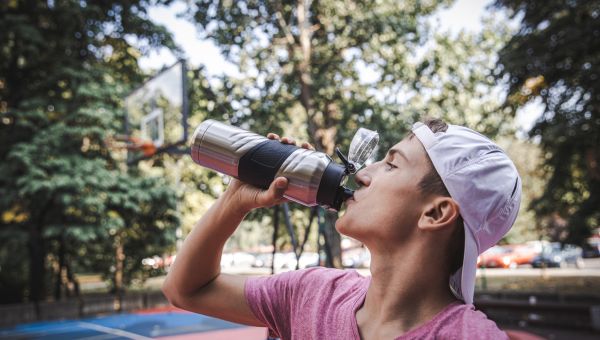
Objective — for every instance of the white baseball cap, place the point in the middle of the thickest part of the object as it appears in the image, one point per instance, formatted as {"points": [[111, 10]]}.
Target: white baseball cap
{"points": [[486, 185]]}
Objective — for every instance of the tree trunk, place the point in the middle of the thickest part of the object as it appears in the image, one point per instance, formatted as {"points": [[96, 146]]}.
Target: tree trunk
{"points": [[275, 232], [118, 279], [73, 281], [36, 267], [334, 238], [323, 132], [59, 283]]}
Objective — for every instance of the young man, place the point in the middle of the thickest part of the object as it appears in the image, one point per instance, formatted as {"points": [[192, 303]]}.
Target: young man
{"points": [[439, 198]]}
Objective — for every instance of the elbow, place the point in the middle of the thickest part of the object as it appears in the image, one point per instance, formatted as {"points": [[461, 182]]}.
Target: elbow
{"points": [[181, 296], [170, 292], [176, 296]]}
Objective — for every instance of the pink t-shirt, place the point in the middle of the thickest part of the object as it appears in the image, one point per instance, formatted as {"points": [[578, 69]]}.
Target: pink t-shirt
{"points": [[321, 303]]}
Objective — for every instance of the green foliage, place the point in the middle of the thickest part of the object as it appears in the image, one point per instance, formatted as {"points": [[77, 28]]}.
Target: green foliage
{"points": [[555, 57], [454, 80], [526, 156], [294, 57], [312, 64], [340, 65], [140, 211], [64, 67]]}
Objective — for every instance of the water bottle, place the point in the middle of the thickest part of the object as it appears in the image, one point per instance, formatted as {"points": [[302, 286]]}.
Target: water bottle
{"points": [[313, 177]]}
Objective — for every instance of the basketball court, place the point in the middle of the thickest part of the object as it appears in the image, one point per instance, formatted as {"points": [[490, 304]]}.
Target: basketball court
{"points": [[167, 323]]}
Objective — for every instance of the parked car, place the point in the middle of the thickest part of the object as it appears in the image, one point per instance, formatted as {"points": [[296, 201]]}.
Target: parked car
{"points": [[523, 253], [592, 248], [286, 260], [153, 262], [356, 258], [497, 257], [556, 255], [262, 260], [237, 259], [308, 259]]}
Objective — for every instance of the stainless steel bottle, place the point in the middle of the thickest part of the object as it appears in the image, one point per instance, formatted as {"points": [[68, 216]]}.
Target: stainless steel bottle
{"points": [[313, 177]]}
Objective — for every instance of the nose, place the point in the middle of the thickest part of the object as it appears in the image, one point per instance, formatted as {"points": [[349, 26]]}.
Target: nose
{"points": [[362, 178]]}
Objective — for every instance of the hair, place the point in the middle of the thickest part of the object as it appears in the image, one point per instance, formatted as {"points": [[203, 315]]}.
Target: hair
{"points": [[431, 184]]}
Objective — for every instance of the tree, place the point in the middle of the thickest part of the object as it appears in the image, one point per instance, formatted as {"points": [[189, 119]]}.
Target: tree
{"points": [[526, 156], [554, 58], [346, 64], [139, 221], [64, 67]]}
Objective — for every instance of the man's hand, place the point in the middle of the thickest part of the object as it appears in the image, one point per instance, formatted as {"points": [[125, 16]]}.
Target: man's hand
{"points": [[247, 197]]}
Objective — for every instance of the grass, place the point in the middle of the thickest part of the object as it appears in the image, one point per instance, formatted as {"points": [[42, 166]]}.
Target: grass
{"points": [[587, 285]]}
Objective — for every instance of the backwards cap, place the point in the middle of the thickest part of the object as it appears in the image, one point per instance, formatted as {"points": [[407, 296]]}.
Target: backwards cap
{"points": [[486, 185]]}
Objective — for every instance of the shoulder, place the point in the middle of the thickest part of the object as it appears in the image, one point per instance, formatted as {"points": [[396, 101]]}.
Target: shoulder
{"points": [[292, 303], [466, 320], [316, 276], [331, 280], [458, 321], [323, 275], [317, 281]]}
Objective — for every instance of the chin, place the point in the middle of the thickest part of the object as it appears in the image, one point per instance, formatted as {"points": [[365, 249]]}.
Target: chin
{"points": [[341, 226], [346, 227]]}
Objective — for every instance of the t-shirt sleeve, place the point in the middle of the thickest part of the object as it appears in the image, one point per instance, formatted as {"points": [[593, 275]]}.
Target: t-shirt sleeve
{"points": [[475, 323], [270, 299], [295, 303]]}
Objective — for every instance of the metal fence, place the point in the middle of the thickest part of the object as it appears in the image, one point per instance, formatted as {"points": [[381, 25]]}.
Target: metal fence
{"points": [[578, 311]]}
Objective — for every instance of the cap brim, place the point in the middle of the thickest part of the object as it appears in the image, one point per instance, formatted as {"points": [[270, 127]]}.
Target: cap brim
{"points": [[463, 281]]}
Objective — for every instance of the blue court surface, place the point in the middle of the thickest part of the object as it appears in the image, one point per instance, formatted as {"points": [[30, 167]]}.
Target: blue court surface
{"points": [[168, 324]]}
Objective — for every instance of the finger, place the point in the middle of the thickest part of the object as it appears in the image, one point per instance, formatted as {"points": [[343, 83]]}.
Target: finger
{"points": [[288, 140], [274, 194], [308, 146], [272, 135]]}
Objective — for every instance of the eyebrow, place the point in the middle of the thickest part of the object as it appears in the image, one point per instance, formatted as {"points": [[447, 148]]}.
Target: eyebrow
{"points": [[392, 152]]}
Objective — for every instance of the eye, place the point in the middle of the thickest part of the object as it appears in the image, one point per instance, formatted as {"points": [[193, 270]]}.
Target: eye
{"points": [[389, 166]]}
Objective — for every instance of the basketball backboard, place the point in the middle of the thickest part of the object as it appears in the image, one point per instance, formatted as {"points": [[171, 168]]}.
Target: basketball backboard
{"points": [[157, 113]]}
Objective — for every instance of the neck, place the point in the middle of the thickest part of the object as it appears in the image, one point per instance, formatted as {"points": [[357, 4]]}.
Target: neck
{"points": [[409, 286]]}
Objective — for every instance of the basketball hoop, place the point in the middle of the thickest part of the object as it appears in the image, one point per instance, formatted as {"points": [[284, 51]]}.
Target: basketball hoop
{"points": [[145, 146]]}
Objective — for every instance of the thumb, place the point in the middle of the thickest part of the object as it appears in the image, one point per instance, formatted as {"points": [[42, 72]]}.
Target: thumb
{"points": [[274, 194]]}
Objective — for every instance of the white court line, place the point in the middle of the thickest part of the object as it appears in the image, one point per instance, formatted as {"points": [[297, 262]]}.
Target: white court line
{"points": [[113, 331]]}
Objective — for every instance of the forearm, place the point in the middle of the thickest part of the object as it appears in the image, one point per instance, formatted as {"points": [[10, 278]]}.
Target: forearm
{"points": [[194, 282], [198, 261]]}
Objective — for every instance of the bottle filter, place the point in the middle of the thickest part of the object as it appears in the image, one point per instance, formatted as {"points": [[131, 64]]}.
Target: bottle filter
{"points": [[313, 177]]}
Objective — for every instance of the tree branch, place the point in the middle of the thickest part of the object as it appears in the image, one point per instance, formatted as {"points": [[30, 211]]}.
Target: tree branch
{"points": [[284, 26]]}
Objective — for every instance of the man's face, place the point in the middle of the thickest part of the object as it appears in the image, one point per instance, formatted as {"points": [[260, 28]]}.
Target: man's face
{"points": [[388, 204]]}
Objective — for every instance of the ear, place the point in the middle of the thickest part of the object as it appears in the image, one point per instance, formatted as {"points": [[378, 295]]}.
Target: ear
{"points": [[439, 213]]}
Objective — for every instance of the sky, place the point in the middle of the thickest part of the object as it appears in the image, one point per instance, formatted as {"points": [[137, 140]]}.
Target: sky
{"points": [[462, 15]]}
